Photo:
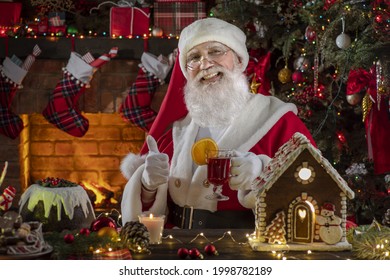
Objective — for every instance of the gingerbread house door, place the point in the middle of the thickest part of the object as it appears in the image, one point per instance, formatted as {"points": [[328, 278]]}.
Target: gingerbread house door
{"points": [[302, 223]]}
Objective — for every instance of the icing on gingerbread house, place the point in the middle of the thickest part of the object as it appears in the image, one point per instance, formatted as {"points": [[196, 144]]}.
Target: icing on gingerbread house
{"points": [[302, 202]]}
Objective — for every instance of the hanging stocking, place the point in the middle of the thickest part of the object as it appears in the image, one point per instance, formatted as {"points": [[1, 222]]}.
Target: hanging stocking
{"points": [[12, 74], [62, 110], [136, 107]]}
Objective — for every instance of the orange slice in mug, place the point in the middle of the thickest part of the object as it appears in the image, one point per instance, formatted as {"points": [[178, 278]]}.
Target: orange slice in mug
{"points": [[201, 148]]}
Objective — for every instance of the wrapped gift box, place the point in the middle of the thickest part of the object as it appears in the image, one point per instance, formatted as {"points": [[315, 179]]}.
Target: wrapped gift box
{"points": [[129, 21], [39, 27], [172, 17], [9, 13], [56, 18]]}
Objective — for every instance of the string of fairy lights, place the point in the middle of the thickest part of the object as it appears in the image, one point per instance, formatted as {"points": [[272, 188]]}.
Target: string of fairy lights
{"points": [[368, 242]]}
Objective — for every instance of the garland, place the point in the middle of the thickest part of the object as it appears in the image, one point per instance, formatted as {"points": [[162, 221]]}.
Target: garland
{"points": [[83, 246], [51, 182], [370, 242]]}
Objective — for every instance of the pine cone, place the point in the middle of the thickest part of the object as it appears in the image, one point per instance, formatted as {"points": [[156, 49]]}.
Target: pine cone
{"points": [[386, 218], [135, 236]]}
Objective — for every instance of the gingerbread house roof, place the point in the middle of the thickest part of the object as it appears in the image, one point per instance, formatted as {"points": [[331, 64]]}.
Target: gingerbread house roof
{"points": [[288, 153]]}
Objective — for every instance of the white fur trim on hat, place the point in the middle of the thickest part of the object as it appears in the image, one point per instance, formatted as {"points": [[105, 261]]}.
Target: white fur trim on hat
{"points": [[208, 30]]}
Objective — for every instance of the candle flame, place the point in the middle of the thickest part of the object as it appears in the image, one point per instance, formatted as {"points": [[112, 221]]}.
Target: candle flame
{"points": [[151, 216]]}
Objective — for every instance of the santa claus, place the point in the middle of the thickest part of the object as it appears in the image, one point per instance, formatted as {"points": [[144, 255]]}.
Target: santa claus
{"points": [[208, 96]]}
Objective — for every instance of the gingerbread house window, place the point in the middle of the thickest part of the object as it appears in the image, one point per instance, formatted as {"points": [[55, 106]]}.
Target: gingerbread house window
{"points": [[305, 173]]}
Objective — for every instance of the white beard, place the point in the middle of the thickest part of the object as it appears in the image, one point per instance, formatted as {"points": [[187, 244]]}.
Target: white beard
{"points": [[216, 104]]}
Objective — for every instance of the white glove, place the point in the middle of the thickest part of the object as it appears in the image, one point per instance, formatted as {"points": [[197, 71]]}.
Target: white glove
{"points": [[245, 168], [156, 170]]}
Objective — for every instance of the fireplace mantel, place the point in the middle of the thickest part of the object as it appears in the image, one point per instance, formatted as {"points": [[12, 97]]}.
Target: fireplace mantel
{"points": [[60, 47]]}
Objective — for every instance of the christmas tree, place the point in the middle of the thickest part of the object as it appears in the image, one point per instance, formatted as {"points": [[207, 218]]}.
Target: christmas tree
{"points": [[330, 58], [276, 231]]}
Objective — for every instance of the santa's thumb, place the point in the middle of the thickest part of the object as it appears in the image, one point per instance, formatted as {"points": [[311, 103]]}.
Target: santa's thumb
{"points": [[152, 144]]}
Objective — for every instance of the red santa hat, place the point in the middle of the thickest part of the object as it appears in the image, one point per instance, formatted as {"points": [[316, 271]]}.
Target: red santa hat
{"points": [[11, 191], [328, 206], [208, 30]]}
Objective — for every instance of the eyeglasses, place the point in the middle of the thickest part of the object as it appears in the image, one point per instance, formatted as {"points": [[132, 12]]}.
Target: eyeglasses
{"points": [[214, 55]]}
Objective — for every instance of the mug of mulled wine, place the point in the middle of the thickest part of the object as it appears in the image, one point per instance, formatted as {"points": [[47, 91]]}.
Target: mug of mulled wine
{"points": [[218, 171]]}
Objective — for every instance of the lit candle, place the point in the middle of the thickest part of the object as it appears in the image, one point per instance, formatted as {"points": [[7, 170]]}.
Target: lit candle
{"points": [[155, 226]]}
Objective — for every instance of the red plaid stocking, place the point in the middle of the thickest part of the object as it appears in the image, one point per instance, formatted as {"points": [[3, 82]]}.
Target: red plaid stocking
{"points": [[10, 124], [12, 73], [62, 109], [136, 107]]}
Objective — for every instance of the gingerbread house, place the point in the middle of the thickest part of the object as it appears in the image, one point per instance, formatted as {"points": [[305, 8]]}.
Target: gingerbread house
{"points": [[301, 202]]}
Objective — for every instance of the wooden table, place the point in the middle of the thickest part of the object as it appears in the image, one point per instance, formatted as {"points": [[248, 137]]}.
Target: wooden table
{"points": [[232, 246]]}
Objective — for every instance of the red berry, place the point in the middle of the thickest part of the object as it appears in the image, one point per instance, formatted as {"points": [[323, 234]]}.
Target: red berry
{"points": [[195, 254], [69, 238], [85, 231], [182, 253], [210, 249]]}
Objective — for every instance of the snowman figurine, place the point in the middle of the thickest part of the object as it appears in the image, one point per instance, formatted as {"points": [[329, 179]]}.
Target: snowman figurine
{"points": [[330, 224]]}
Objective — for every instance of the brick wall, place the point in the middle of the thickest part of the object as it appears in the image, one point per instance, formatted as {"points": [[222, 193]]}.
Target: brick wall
{"points": [[43, 150], [95, 157]]}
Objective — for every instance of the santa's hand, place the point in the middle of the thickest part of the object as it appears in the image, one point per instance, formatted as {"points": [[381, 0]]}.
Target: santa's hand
{"points": [[245, 168], [156, 166]]}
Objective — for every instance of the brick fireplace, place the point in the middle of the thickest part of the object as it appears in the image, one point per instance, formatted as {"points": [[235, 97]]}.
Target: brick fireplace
{"points": [[43, 150]]}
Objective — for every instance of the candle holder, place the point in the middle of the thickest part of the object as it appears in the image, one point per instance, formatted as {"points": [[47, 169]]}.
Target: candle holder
{"points": [[155, 226]]}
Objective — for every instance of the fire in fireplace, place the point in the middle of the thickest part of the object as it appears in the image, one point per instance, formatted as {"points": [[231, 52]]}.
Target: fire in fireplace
{"points": [[92, 161]]}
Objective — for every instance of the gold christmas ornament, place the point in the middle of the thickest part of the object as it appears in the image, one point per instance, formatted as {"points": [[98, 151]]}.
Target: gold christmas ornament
{"points": [[284, 75], [107, 231], [366, 105]]}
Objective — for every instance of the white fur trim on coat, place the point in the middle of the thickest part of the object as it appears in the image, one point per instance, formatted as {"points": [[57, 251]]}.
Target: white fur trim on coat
{"points": [[186, 188], [130, 163]]}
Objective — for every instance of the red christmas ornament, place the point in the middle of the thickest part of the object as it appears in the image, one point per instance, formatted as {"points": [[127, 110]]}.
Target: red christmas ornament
{"points": [[85, 231], [182, 253], [194, 253], [69, 238], [210, 250], [310, 34], [298, 77], [103, 222]]}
